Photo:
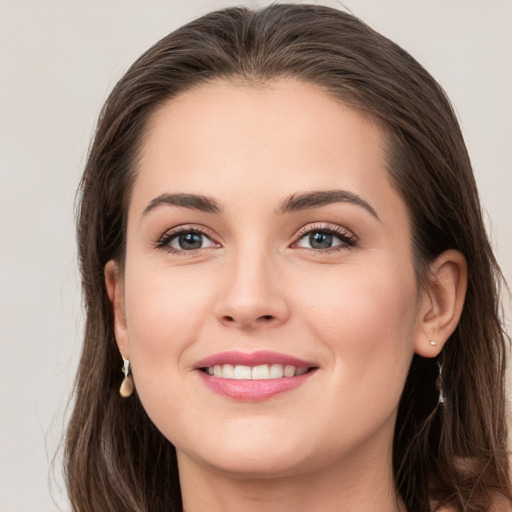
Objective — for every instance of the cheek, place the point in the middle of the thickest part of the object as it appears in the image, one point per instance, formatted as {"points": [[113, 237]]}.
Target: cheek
{"points": [[367, 316], [363, 300], [163, 308], [165, 313], [368, 323]]}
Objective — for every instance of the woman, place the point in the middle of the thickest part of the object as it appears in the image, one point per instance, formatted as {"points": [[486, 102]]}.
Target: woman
{"points": [[281, 245]]}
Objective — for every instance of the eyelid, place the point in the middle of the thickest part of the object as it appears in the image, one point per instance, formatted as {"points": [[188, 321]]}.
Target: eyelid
{"points": [[163, 241], [347, 236]]}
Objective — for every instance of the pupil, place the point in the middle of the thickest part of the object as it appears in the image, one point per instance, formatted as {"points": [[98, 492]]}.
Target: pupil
{"points": [[320, 240], [190, 241]]}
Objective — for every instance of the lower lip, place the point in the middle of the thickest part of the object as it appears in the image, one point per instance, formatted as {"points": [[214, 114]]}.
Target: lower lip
{"points": [[253, 390]]}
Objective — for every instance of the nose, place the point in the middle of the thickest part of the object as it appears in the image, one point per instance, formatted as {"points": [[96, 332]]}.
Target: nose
{"points": [[252, 295]]}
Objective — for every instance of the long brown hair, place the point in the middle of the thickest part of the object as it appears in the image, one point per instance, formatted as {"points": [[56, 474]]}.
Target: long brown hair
{"points": [[454, 454]]}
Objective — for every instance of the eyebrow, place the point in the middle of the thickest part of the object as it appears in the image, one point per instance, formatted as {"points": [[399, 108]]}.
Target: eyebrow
{"points": [[192, 201], [316, 199], [294, 203]]}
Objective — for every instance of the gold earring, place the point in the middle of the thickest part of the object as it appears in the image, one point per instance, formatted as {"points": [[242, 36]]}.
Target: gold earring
{"points": [[127, 386]]}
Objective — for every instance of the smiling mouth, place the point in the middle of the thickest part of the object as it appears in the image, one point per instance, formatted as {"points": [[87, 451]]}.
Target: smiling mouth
{"points": [[259, 372], [257, 376]]}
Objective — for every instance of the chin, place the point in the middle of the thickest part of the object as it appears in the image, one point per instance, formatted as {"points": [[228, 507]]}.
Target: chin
{"points": [[255, 464], [250, 452]]}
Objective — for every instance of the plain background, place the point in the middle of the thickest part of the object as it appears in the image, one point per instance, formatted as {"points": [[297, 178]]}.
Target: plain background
{"points": [[58, 61]]}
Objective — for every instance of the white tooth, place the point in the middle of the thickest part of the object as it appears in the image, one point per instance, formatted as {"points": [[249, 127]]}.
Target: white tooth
{"points": [[260, 372], [217, 370], [301, 371], [228, 372], [276, 371], [242, 372], [289, 371], [210, 370]]}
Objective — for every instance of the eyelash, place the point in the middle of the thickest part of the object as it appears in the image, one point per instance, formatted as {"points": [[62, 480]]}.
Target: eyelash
{"points": [[169, 236], [348, 239]]}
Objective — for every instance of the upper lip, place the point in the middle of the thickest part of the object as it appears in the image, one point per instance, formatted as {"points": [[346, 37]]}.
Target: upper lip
{"points": [[253, 359]]}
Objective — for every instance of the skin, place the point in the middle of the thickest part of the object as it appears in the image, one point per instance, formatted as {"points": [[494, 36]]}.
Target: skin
{"points": [[355, 310]]}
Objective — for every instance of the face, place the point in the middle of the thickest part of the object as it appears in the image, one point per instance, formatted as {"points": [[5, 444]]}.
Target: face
{"points": [[268, 302]]}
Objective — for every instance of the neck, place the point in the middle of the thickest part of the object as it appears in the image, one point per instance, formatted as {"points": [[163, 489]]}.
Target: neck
{"points": [[361, 485]]}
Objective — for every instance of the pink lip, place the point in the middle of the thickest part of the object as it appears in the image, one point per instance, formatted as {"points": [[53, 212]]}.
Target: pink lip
{"points": [[253, 390], [253, 359]]}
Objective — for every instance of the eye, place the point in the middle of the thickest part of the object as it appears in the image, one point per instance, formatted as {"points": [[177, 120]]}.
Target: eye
{"points": [[324, 238], [185, 240]]}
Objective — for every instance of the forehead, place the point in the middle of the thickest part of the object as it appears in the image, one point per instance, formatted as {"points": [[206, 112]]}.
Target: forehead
{"points": [[282, 110], [276, 138]]}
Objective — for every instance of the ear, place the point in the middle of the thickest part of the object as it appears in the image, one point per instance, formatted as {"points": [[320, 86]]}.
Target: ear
{"points": [[115, 291], [442, 302]]}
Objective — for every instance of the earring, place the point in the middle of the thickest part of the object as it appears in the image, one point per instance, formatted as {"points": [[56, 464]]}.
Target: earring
{"points": [[433, 343], [127, 386], [439, 384]]}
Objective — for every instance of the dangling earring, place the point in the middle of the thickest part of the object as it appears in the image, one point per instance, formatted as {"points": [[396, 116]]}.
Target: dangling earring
{"points": [[439, 384], [127, 386]]}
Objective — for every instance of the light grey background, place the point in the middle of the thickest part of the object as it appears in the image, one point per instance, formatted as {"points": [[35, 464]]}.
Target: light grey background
{"points": [[58, 60]]}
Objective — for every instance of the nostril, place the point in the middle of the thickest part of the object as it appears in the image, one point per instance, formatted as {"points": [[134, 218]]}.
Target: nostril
{"points": [[248, 321]]}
